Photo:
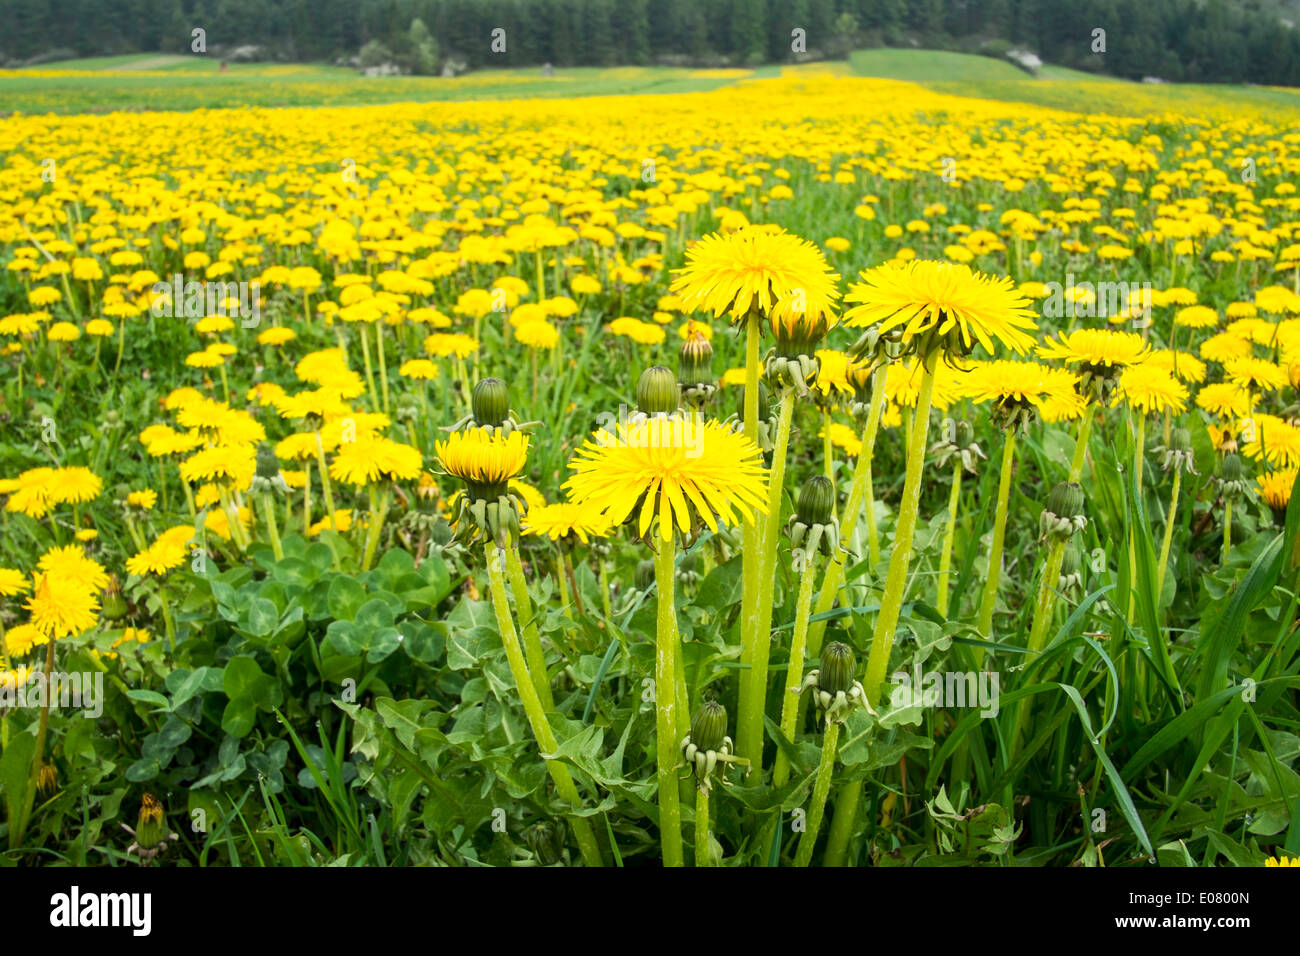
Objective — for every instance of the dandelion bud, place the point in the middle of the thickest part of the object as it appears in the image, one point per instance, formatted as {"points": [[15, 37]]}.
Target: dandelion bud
{"points": [[150, 830], [1180, 439], [838, 662], [490, 402], [709, 726], [1063, 516], [695, 361], [544, 842], [112, 604], [1071, 575], [816, 500], [1231, 468], [1232, 480], [657, 392], [268, 466]]}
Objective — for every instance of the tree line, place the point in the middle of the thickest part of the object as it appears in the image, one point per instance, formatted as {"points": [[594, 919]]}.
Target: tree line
{"points": [[1189, 40]]}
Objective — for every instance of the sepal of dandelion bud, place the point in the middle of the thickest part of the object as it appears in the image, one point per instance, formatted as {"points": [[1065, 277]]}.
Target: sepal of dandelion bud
{"points": [[875, 346], [814, 528], [497, 519], [1232, 479], [1070, 581], [1177, 455], [1063, 516], [1014, 416], [791, 371], [707, 745], [960, 444], [835, 691], [267, 478]]}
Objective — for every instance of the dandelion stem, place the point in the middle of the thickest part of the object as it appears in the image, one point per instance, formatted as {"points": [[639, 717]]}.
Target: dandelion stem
{"points": [[670, 821], [1038, 630], [1081, 444], [891, 603], [945, 555], [821, 790], [794, 672], [1227, 529], [268, 515], [749, 532], [994, 576], [536, 715], [860, 497], [19, 826], [1169, 532], [702, 827], [378, 511], [532, 639], [758, 630]]}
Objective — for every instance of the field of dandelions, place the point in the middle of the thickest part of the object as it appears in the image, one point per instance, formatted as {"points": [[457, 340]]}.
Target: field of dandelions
{"points": [[760, 476]]}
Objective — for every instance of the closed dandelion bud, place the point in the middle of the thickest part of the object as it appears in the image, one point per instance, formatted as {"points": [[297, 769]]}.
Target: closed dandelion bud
{"points": [[1063, 516], [545, 844], [1232, 480], [112, 604], [490, 402], [657, 392], [1071, 579], [816, 500], [695, 361], [268, 466], [709, 726], [838, 662], [150, 828], [1178, 453]]}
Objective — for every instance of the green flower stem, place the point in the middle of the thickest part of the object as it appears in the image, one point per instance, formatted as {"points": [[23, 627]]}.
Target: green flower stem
{"points": [[18, 828], [325, 480], [1081, 444], [306, 500], [541, 728], [378, 511], [891, 604], [794, 672], [702, 827], [1139, 443], [268, 515], [370, 375], [1169, 532], [1038, 631], [532, 638], [759, 627], [994, 576], [821, 790], [666, 717], [828, 448], [604, 588], [562, 581], [860, 496], [945, 555], [749, 529], [383, 363], [167, 618], [1227, 530]]}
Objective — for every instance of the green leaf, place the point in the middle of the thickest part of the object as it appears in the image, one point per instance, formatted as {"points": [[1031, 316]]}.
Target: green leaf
{"points": [[345, 598], [261, 617]]}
